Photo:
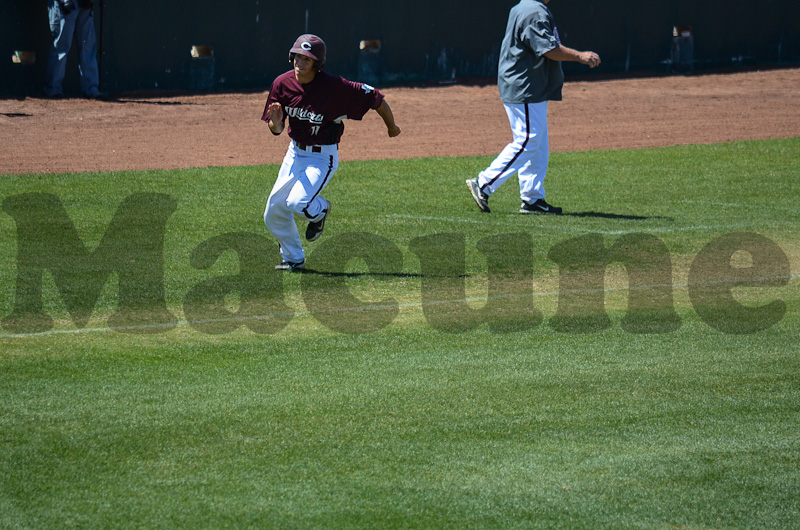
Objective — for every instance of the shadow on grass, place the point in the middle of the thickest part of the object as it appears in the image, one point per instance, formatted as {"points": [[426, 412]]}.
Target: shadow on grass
{"points": [[356, 275], [603, 215]]}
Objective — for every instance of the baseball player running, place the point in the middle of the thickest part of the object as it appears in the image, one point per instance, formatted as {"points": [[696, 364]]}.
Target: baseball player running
{"points": [[316, 104]]}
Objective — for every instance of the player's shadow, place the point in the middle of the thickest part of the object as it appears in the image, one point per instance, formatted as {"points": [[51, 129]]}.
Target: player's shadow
{"points": [[357, 275], [622, 217]]}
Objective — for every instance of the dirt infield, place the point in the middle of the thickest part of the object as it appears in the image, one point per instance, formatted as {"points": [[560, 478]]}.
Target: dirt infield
{"points": [[72, 135]]}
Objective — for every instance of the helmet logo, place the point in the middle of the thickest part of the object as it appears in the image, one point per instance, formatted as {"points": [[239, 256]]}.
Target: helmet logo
{"points": [[306, 46]]}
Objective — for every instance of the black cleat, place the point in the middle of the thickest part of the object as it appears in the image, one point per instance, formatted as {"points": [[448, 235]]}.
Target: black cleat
{"points": [[314, 229], [291, 266], [539, 207], [99, 96], [481, 199]]}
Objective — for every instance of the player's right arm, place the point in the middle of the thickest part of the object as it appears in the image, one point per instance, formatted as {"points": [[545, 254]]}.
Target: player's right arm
{"points": [[275, 113]]}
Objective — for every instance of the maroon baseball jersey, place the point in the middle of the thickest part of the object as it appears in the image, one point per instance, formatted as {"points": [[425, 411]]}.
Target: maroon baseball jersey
{"points": [[316, 109]]}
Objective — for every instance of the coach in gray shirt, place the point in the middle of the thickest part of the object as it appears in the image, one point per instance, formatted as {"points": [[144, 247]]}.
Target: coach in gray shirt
{"points": [[529, 75]]}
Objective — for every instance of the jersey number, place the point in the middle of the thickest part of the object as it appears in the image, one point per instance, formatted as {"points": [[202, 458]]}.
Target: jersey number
{"points": [[315, 130]]}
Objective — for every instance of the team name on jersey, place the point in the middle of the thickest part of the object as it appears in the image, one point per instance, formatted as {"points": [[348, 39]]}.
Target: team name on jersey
{"points": [[305, 115]]}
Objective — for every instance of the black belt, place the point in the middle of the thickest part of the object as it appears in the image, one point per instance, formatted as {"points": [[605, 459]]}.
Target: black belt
{"points": [[310, 148]]}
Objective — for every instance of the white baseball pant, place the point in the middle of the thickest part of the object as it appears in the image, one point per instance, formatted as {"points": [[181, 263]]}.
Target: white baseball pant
{"points": [[301, 179], [527, 154]]}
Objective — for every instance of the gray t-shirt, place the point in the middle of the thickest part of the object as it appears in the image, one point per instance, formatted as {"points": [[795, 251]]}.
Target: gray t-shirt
{"points": [[524, 74]]}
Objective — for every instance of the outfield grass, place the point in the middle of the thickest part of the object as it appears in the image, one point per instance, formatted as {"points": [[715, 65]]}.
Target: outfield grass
{"points": [[434, 419]]}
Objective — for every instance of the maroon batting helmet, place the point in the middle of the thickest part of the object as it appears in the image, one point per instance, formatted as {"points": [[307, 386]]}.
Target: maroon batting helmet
{"points": [[310, 46]]}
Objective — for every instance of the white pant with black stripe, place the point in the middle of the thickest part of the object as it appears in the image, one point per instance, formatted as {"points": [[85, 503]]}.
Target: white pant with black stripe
{"points": [[527, 155], [301, 179]]}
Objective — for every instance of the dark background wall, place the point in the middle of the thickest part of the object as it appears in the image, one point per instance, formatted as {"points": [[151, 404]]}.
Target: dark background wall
{"points": [[146, 43]]}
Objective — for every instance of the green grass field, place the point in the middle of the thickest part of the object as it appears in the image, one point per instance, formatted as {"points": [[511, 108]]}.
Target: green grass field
{"points": [[401, 383]]}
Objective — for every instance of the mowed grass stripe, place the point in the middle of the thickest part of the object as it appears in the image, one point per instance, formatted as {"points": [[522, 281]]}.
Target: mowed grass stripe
{"points": [[379, 306]]}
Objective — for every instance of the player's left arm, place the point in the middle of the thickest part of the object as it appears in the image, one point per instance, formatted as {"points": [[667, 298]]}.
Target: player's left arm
{"points": [[385, 112], [562, 53]]}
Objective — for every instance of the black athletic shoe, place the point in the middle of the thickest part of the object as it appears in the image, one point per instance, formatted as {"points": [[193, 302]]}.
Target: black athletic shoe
{"points": [[481, 199], [99, 96], [314, 230], [539, 207], [290, 266]]}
